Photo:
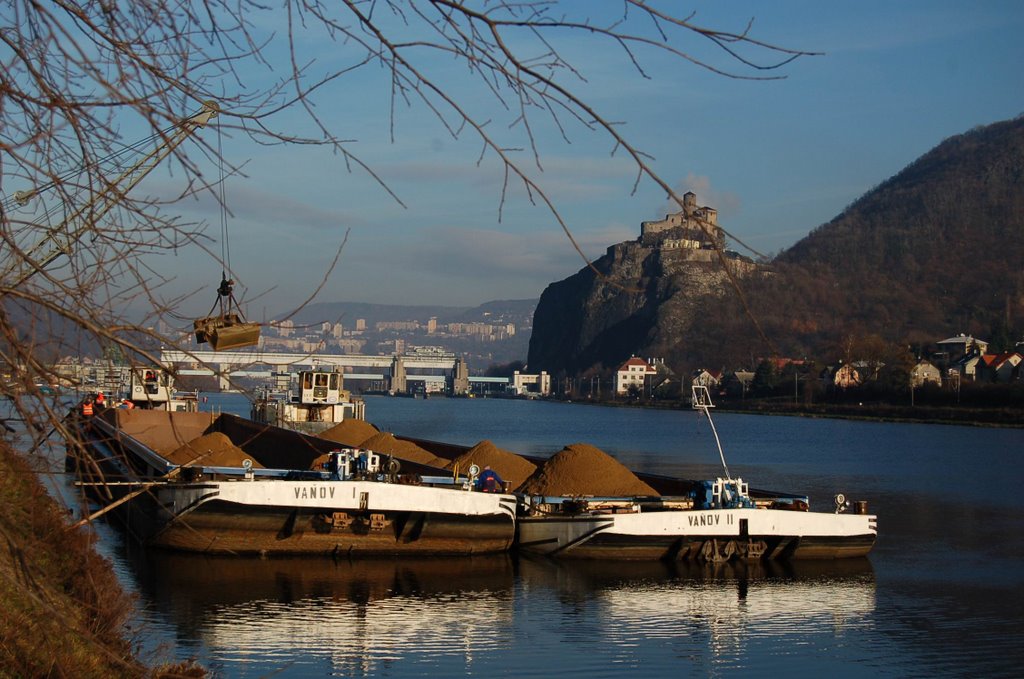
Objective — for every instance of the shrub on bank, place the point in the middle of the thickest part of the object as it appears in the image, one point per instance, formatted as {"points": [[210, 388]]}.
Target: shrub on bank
{"points": [[63, 609]]}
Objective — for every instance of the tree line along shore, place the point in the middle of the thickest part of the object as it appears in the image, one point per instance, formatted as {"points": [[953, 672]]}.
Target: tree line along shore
{"points": [[997, 414]]}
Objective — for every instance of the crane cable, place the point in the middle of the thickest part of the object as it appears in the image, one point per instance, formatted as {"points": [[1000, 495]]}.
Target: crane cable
{"points": [[225, 292], [225, 247], [121, 157]]}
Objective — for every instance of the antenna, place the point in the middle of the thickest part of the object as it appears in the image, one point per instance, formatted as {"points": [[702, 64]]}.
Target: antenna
{"points": [[702, 401]]}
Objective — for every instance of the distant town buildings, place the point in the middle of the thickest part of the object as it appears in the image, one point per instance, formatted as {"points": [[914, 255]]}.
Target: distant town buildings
{"points": [[524, 384], [397, 325], [286, 336]]}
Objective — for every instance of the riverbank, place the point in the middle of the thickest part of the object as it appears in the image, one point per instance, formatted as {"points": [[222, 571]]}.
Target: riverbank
{"points": [[64, 611], [879, 412], [882, 412]]}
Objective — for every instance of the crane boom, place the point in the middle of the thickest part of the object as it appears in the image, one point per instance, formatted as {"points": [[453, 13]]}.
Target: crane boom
{"points": [[59, 239]]}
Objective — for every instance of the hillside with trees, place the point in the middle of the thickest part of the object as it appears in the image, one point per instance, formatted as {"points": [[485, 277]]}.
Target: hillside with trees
{"points": [[936, 248], [933, 251]]}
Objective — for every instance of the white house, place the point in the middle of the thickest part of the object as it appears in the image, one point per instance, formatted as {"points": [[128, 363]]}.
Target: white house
{"points": [[925, 373], [956, 348], [633, 374], [999, 367], [707, 378]]}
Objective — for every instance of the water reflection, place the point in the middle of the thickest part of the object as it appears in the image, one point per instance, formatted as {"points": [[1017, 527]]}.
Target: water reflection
{"points": [[719, 611], [357, 616], [313, 617]]}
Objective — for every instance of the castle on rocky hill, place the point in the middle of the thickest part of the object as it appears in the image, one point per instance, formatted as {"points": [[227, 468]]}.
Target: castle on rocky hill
{"points": [[692, 228]]}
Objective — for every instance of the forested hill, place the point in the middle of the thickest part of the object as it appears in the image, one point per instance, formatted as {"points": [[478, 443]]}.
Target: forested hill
{"points": [[938, 248], [934, 251]]}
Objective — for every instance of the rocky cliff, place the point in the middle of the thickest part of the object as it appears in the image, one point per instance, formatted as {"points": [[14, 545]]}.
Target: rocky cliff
{"points": [[635, 299]]}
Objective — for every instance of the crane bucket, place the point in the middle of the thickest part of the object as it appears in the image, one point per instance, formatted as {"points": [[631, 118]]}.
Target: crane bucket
{"points": [[226, 332]]}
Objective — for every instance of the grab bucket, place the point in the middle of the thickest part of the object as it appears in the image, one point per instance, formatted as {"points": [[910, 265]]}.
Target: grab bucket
{"points": [[226, 332]]}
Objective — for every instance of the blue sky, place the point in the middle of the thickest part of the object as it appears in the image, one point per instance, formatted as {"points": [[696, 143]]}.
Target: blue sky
{"points": [[777, 158]]}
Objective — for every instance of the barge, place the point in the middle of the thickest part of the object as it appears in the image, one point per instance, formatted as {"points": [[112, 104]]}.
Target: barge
{"points": [[712, 521], [220, 484], [287, 492], [676, 529]]}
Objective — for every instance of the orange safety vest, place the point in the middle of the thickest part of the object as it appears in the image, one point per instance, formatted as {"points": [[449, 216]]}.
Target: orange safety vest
{"points": [[128, 404], [87, 409]]}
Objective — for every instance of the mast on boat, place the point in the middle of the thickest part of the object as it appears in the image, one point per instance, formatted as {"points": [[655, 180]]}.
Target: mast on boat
{"points": [[702, 401]]}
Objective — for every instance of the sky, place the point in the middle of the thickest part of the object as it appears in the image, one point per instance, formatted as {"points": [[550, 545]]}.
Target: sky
{"points": [[777, 158]]}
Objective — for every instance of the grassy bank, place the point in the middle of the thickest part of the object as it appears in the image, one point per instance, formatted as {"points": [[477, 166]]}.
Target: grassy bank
{"points": [[63, 610]]}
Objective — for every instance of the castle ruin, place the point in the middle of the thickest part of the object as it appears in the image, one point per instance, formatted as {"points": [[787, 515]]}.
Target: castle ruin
{"points": [[692, 228]]}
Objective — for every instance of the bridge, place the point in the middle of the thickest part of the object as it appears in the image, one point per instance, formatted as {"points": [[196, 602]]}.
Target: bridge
{"points": [[393, 370]]}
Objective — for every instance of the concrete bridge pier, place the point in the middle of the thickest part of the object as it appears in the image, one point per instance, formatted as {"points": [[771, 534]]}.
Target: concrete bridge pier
{"points": [[460, 378], [398, 382], [223, 377]]}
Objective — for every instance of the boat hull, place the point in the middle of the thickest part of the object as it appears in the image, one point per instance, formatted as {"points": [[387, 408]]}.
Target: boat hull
{"points": [[224, 528], [708, 535]]}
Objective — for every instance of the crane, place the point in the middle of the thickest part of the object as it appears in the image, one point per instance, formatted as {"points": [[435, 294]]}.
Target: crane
{"points": [[224, 331], [59, 239]]}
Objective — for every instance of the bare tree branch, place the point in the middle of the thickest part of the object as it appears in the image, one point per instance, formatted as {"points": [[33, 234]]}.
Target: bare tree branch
{"points": [[76, 79]]}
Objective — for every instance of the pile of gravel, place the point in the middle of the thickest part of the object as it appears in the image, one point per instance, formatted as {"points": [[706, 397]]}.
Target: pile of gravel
{"points": [[509, 466], [210, 450], [582, 469]]}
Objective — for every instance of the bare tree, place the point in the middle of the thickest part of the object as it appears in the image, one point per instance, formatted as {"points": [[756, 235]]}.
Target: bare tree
{"points": [[81, 80], [77, 75]]}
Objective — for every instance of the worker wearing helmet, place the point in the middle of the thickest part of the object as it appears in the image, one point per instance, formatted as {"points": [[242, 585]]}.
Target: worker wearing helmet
{"points": [[489, 481]]}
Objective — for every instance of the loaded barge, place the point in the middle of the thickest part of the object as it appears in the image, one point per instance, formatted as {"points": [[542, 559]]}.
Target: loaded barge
{"points": [[262, 489], [713, 521], [187, 480]]}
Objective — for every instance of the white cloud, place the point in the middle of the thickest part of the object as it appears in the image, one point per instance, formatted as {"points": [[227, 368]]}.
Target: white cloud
{"points": [[545, 256]]}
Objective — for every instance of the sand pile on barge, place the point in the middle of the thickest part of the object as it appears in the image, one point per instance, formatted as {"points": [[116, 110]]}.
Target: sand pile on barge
{"points": [[349, 432], [386, 443], [509, 466], [161, 430], [210, 450], [582, 469]]}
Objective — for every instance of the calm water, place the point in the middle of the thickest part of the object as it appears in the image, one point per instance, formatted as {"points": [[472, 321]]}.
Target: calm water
{"points": [[941, 594]]}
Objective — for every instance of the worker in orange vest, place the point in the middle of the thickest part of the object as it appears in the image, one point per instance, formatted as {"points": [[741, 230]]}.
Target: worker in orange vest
{"points": [[127, 404], [87, 407], [101, 401]]}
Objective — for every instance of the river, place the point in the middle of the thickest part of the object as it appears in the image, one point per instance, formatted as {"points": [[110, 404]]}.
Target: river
{"points": [[942, 593]]}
